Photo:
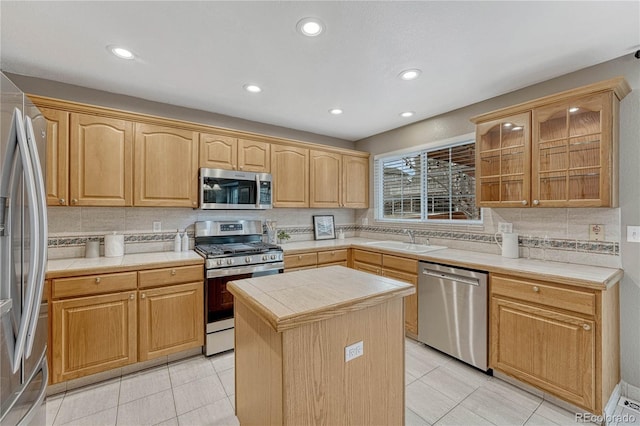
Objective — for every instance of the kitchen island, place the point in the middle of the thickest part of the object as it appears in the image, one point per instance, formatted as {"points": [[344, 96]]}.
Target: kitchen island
{"points": [[293, 335]]}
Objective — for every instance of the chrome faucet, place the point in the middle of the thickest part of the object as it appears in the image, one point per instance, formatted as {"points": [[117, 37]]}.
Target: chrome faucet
{"points": [[412, 235]]}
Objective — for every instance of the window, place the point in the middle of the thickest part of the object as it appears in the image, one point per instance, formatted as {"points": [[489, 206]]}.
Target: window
{"points": [[431, 184]]}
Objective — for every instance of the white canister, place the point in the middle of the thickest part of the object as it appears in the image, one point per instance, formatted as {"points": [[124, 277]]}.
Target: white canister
{"points": [[113, 245], [509, 245]]}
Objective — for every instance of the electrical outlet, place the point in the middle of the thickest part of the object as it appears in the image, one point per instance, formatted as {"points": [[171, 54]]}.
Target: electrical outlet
{"points": [[353, 351], [633, 234], [596, 232], [505, 227], [157, 226]]}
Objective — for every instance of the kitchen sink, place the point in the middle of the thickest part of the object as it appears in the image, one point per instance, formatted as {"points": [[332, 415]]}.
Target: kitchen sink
{"points": [[406, 247]]}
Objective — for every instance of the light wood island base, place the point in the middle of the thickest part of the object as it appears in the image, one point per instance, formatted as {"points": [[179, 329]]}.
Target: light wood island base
{"points": [[291, 331]]}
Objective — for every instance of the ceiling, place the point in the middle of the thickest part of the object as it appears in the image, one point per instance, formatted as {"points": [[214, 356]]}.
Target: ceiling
{"points": [[200, 54]]}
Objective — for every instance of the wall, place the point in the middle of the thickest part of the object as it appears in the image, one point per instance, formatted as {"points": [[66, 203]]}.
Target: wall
{"points": [[560, 223], [54, 89]]}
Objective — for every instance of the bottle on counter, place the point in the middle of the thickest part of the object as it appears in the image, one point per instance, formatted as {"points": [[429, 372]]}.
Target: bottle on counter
{"points": [[185, 241], [177, 242]]}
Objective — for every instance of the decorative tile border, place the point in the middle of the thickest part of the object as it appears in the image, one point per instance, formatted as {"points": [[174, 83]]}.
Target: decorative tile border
{"points": [[594, 247]]}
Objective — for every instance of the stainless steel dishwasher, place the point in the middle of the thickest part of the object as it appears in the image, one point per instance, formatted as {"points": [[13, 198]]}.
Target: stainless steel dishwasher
{"points": [[452, 312]]}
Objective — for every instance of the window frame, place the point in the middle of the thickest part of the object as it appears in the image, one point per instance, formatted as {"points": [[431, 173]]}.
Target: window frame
{"points": [[421, 151]]}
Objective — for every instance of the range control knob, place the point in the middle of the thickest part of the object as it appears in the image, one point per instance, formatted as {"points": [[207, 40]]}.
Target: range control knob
{"points": [[247, 259], [273, 256], [219, 262], [265, 257], [229, 261]]}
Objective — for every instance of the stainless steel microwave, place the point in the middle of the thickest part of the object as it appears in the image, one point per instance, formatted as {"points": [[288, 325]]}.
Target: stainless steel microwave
{"points": [[228, 189]]}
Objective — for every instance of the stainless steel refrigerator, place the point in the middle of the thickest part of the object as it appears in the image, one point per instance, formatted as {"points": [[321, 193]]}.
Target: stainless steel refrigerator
{"points": [[23, 256]]}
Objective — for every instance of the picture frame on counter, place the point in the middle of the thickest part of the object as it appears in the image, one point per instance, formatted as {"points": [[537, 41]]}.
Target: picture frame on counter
{"points": [[324, 227]]}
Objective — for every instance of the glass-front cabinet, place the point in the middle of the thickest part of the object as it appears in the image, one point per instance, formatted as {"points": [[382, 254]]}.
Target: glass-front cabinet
{"points": [[572, 153], [556, 151], [503, 158]]}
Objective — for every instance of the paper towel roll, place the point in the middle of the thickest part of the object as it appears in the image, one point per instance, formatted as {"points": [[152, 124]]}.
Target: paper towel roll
{"points": [[113, 245]]}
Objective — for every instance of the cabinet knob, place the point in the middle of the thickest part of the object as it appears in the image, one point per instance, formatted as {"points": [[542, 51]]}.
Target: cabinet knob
{"points": [[98, 280], [241, 167], [143, 296], [536, 289], [536, 202], [587, 327], [132, 296], [333, 253], [74, 201], [524, 202], [299, 257], [61, 201], [173, 272]]}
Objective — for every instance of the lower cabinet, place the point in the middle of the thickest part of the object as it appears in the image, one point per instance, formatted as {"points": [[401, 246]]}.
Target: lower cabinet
{"points": [[396, 267], [104, 321], [561, 339], [170, 319], [93, 334], [316, 259]]}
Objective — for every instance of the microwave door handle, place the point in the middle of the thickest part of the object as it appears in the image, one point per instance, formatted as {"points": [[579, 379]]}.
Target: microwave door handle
{"points": [[257, 191]]}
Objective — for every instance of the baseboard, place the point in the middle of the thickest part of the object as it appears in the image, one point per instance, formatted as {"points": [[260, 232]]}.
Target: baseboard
{"points": [[630, 391], [612, 404]]}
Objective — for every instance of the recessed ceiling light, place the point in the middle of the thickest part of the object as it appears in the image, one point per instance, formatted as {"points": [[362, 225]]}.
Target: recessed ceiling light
{"points": [[573, 109], [121, 52], [335, 111], [310, 27], [507, 125], [407, 114], [517, 128], [252, 88], [410, 74]]}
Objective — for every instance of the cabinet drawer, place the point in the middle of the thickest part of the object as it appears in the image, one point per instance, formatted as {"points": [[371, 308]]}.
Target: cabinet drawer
{"points": [[545, 294], [367, 257], [365, 267], [167, 276], [302, 259], [93, 284], [400, 264], [400, 276], [332, 256]]}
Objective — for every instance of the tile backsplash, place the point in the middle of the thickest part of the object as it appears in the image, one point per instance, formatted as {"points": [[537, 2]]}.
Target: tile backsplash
{"points": [[567, 229]]}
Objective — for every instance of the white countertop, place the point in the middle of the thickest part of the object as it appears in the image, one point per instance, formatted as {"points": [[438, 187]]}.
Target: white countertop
{"points": [[567, 273]]}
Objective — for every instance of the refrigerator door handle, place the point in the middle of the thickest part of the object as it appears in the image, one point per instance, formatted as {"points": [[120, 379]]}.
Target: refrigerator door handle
{"points": [[37, 405], [41, 237], [29, 297]]}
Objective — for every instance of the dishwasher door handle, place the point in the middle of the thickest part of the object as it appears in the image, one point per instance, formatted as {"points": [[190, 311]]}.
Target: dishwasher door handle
{"points": [[451, 277]]}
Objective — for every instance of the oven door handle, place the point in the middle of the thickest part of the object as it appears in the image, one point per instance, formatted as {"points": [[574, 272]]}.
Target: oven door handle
{"points": [[225, 272]]}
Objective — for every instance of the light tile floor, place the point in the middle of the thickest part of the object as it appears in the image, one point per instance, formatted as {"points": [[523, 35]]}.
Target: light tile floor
{"points": [[200, 391]]}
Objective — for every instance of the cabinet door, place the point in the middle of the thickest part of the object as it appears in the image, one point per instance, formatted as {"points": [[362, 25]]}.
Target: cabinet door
{"points": [[93, 334], [254, 156], [171, 320], [324, 179], [572, 153], [290, 169], [410, 302], [166, 167], [503, 162], [548, 349], [57, 173], [218, 152], [100, 161], [355, 182]]}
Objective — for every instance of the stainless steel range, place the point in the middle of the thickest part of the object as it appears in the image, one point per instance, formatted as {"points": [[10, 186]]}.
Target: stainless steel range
{"points": [[233, 251]]}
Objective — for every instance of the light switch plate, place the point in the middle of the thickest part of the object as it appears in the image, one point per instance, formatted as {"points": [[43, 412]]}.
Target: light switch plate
{"points": [[505, 227], [633, 234], [157, 226], [353, 351], [596, 232]]}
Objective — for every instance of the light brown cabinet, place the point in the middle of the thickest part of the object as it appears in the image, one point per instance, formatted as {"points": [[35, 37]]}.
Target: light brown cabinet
{"points": [[561, 339], [100, 161], [355, 182], [316, 259], [94, 333], [557, 151], [396, 267], [337, 180], [166, 166], [57, 173], [290, 169], [229, 153], [104, 321]]}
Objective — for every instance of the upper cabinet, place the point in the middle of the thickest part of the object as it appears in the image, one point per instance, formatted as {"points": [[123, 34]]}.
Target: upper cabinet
{"points": [[100, 158], [338, 180], [57, 173], [166, 166], [355, 182], [290, 169], [557, 151], [225, 152]]}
